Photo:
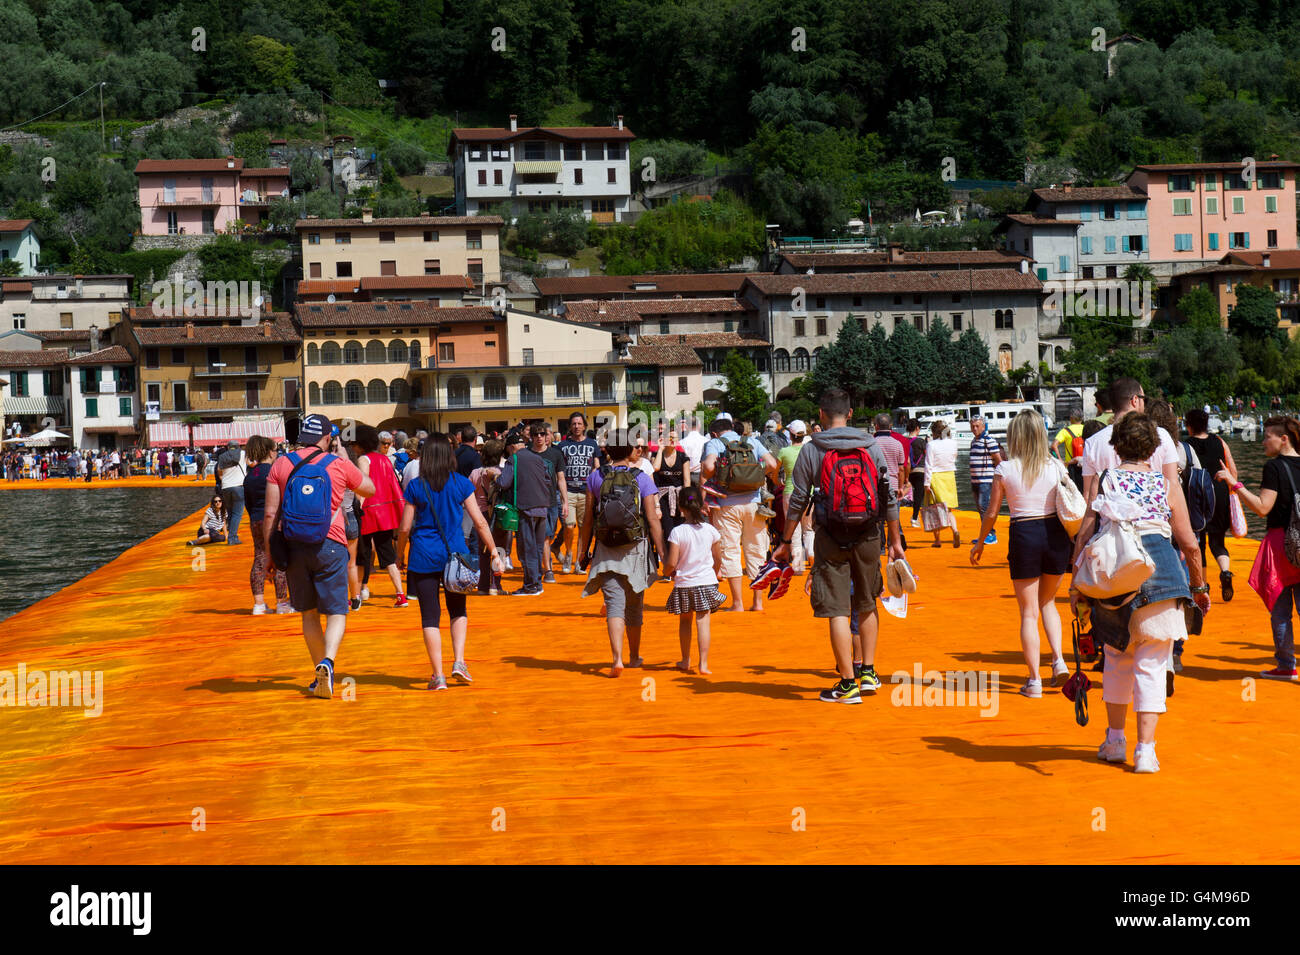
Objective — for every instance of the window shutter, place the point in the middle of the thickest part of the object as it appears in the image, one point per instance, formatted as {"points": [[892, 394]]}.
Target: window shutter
{"points": [[1246, 236], [1124, 243]]}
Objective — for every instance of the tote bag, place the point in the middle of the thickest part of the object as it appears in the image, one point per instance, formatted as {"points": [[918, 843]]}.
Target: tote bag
{"points": [[460, 575], [1070, 505], [934, 515], [1236, 516]]}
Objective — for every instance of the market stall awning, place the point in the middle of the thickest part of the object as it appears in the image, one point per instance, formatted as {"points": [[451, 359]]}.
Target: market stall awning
{"points": [[41, 404]]}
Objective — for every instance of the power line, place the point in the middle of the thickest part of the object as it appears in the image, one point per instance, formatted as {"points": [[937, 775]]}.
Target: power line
{"points": [[25, 122]]}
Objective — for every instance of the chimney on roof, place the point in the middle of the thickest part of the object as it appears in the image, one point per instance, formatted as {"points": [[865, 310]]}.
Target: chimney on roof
{"points": [[424, 215], [266, 329], [230, 162], [1024, 266], [94, 334], [1068, 186], [514, 123], [367, 215], [600, 310], [620, 120], [895, 252], [189, 329], [1268, 260]]}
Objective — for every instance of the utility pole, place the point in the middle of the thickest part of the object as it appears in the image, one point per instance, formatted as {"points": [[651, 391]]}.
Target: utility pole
{"points": [[103, 142]]}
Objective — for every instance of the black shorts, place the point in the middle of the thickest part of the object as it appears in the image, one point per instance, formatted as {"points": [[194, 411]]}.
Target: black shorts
{"points": [[1038, 546], [384, 545]]}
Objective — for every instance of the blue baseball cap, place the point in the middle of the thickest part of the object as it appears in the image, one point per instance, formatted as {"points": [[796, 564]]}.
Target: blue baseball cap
{"points": [[314, 427]]}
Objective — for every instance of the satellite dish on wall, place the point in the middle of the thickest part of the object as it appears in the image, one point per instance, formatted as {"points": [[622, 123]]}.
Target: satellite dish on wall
{"points": [[331, 298], [257, 302]]}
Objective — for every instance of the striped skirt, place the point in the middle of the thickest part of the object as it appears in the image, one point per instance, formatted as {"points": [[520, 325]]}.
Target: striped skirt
{"points": [[703, 599]]}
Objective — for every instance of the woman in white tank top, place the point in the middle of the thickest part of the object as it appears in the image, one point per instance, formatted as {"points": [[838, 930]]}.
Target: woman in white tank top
{"points": [[1039, 547]]}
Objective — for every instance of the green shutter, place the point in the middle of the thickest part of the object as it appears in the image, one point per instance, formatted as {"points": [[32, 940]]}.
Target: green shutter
{"points": [[92, 407], [124, 407]]}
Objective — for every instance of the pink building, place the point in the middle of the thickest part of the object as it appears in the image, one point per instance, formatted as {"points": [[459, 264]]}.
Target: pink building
{"points": [[1197, 212], [204, 196]]}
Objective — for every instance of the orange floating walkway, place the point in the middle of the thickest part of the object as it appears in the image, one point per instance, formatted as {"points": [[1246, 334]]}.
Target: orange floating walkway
{"points": [[546, 759], [27, 484]]}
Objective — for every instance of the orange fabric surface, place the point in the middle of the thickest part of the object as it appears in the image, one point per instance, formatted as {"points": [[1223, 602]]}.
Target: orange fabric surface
{"points": [[53, 483], [203, 709]]}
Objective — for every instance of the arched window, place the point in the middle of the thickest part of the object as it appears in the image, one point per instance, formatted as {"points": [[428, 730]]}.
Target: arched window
{"points": [[759, 358], [399, 392], [712, 362], [494, 388], [816, 355], [397, 351], [458, 392], [530, 390], [352, 353], [781, 360], [602, 386], [313, 354], [354, 392], [566, 386], [414, 354], [376, 353], [333, 393], [1005, 358], [376, 392], [800, 360], [331, 354], [313, 394]]}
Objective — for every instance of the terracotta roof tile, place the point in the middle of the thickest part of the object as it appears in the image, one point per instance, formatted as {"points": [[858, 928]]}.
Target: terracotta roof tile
{"points": [[396, 314], [664, 356], [189, 165], [33, 359], [634, 311], [503, 134], [1025, 218], [431, 222], [112, 355], [914, 259], [282, 332], [706, 340], [1090, 194], [948, 280], [417, 281], [717, 282], [14, 225], [1278, 259]]}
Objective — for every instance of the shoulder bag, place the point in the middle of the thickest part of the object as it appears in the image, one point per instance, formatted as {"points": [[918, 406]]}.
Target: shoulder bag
{"points": [[1070, 505], [507, 512], [934, 515]]}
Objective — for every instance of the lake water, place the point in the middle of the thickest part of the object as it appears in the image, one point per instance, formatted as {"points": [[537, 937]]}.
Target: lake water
{"points": [[50, 538]]}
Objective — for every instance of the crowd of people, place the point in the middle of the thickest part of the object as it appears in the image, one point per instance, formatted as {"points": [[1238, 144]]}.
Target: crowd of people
{"points": [[720, 510], [104, 464]]}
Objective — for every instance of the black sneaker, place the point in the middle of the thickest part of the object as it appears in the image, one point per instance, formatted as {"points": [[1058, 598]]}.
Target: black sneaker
{"points": [[527, 592], [1225, 581], [549, 578], [844, 691], [868, 679]]}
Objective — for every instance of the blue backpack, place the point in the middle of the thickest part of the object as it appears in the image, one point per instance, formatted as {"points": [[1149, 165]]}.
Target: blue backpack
{"points": [[308, 505], [1198, 487]]}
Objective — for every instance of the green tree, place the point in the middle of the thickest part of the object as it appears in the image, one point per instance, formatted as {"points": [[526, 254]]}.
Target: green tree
{"points": [[1255, 316], [253, 148], [910, 356], [972, 373], [745, 398], [1200, 308], [849, 362]]}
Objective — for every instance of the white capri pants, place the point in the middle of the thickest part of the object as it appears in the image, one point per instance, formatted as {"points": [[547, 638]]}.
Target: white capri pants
{"points": [[742, 532], [1137, 676]]}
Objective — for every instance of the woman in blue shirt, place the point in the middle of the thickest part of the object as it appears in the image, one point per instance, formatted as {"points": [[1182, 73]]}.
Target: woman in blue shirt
{"points": [[436, 501]]}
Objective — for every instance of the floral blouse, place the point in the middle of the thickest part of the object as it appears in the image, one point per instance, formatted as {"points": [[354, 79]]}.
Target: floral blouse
{"points": [[1138, 496]]}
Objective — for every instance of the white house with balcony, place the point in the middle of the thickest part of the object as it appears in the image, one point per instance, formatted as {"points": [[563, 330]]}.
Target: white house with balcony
{"points": [[512, 171], [102, 399]]}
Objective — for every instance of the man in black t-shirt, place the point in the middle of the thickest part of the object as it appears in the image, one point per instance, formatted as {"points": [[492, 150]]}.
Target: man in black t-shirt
{"points": [[581, 455], [467, 456], [555, 466]]}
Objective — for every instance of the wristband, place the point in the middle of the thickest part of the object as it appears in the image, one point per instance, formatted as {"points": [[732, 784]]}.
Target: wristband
{"points": [[1203, 589], [1237, 487]]}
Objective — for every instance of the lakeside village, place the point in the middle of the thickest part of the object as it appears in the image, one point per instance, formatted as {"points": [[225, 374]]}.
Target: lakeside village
{"points": [[425, 323]]}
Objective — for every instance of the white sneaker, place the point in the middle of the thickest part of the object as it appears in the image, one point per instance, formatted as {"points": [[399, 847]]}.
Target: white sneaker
{"points": [[284, 607], [259, 609], [916, 523], [365, 593], [1113, 750], [1060, 672], [1144, 760], [1032, 689]]}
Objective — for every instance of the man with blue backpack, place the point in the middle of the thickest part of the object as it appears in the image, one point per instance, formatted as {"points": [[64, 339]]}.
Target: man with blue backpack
{"points": [[307, 539]]}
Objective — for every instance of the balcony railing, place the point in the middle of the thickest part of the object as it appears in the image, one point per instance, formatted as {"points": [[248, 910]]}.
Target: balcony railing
{"points": [[236, 370], [530, 399], [529, 189], [207, 199]]}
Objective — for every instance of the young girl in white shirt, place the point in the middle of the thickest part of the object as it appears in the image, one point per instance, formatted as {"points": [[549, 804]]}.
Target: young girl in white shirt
{"points": [[694, 559]]}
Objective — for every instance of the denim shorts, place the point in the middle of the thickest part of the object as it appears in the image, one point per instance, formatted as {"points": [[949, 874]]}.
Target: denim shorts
{"points": [[1038, 546], [318, 577]]}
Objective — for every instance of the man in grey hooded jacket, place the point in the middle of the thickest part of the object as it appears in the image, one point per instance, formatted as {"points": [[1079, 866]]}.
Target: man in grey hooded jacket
{"points": [[844, 578]]}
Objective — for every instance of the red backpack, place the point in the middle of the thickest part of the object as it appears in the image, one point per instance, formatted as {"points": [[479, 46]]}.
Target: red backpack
{"points": [[849, 494]]}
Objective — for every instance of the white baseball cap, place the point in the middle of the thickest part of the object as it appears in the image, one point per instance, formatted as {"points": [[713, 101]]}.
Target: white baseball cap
{"points": [[798, 427]]}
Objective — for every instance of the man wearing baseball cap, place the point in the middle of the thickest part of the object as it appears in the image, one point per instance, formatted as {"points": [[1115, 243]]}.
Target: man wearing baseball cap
{"points": [[318, 573]]}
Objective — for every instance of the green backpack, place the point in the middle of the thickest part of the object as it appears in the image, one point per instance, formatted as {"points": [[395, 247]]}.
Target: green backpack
{"points": [[739, 469]]}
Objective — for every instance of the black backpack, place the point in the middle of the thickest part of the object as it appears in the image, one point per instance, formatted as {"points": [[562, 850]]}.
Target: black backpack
{"points": [[620, 516]]}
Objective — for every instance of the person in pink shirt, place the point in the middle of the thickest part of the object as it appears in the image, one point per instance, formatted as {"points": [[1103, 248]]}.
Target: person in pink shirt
{"points": [[317, 573]]}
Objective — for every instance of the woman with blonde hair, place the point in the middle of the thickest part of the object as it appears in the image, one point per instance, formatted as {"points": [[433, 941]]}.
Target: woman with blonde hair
{"points": [[1039, 550], [941, 475]]}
